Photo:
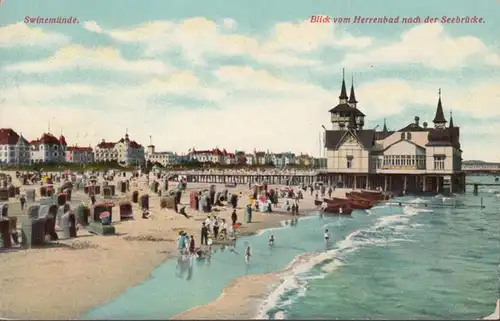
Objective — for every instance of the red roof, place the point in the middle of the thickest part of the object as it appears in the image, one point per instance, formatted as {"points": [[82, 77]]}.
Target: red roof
{"points": [[9, 137], [216, 152], [78, 148], [134, 144], [106, 145], [46, 139], [62, 140]]}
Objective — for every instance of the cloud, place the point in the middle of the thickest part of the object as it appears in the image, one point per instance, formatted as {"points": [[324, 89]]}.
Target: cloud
{"points": [[427, 45], [243, 116], [78, 56], [229, 23], [385, 97], [247, 78], [198, 37], [306, 37], [20, 34], [92, 26]]}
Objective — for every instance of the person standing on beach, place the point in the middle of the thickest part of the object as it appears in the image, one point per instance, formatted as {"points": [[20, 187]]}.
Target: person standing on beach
{"points": [[216, 228], [223, 228], [192, 245], [234, 217], [92, 198], [22, 200], [297, 208], [204, 234], [330, 191]]}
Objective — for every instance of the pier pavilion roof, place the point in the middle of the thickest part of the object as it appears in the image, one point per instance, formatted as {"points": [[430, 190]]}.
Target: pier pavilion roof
{"points": [[333, 138]]}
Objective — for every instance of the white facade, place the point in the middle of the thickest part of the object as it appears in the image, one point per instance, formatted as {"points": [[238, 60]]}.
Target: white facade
{"points": [[48, 149], [125, 151], [163, 158], [414, 149], [14, 149], [79, 155]]}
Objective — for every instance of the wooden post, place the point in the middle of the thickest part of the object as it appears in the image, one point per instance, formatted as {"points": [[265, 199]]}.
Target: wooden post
{"points": [[385, 183], [367, 185], [476, 189]]}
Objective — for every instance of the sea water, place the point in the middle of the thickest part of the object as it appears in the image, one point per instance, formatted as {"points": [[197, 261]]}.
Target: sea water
{"points": [[392, 262]]}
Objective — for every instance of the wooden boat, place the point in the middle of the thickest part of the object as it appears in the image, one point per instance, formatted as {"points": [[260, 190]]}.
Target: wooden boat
{"points": [[360, 204], [335, 209], [368, 195]]}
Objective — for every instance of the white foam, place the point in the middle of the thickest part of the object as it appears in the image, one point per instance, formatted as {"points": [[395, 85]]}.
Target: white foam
{"points": [[417, 201], [295, 280]]}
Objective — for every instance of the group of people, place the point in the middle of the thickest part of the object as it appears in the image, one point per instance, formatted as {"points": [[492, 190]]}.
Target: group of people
{"points": [[212, 227]]}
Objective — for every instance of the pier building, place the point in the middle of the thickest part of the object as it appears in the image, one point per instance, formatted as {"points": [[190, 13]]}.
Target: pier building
{"points": [[415, 158]]}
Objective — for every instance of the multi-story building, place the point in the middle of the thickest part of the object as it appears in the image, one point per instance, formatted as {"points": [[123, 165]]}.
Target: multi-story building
{"points": [[162, 158], [125, 151], [283, 159], [215, 156], [413, 158], [79, 155], [48, 149], [14, 149]]}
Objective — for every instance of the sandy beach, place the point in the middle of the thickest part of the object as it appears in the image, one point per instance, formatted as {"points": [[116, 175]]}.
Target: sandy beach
{"points": [[70, 277]]}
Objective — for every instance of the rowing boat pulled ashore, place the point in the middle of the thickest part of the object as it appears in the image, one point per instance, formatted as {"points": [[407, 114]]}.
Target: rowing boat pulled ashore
{"points": [[334, 208], [373, 196]]}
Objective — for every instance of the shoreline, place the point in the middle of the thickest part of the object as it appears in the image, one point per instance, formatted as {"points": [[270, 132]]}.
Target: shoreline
{"points": [[247, 303], [73, 276]]}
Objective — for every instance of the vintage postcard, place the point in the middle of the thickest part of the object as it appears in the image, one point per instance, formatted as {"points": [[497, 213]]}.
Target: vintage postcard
{"points": [[236, 159]]}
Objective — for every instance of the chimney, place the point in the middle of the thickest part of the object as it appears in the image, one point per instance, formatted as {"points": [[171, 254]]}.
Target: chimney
{"points": [[425, 124], [417, 119], [103, 141]]}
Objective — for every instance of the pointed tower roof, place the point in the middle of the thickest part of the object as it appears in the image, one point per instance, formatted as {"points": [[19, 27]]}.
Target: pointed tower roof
{"points": [[439, 118], [385, 126], [451, 119], [352, 122], [343, 90], [352, 96]]}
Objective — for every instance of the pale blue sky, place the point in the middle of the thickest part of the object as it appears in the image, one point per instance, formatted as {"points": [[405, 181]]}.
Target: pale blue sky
{"points": [[229, 93]]}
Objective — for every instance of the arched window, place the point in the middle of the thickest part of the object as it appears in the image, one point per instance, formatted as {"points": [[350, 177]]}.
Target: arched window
{"points": [[402, 136], [408, 136]]}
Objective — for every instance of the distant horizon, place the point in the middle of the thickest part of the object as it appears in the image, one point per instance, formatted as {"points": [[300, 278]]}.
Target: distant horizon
{"points": [[190, 73]]}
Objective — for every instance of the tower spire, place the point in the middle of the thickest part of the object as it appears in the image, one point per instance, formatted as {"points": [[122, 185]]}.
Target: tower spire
{"points": [[385, 126], [343, 91], [439, 120], [451, 119], [352, 97], [49, 128]]}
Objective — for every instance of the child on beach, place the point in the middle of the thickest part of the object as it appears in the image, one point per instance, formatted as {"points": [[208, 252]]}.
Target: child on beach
{"points": [[271, 240], [248, 254]]}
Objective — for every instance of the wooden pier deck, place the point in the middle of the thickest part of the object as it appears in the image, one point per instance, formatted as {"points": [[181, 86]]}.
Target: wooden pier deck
{"points": [[434, 205]]}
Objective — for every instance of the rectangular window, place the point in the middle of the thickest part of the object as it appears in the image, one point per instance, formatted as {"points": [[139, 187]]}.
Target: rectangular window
{"points": [[349, 163], [439, 162]]}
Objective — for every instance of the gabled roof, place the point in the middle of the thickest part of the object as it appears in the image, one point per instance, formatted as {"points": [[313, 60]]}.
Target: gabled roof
{"points": [[346, 108], [78, 148], [9, 137], [401, 140], [383, 134], [46, 139], [365, 137], [412, 127]]}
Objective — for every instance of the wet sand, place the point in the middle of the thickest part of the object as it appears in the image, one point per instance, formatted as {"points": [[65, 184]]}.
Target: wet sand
{"points": [[72, 276]]}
